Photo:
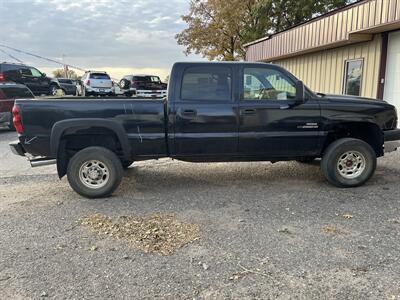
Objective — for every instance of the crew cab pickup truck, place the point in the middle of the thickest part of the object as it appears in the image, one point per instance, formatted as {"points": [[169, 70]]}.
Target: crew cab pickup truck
{"points": [[213, 112]]}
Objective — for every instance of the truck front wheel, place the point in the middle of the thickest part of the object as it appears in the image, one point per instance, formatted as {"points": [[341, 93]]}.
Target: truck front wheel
{"points": [[348, 162], [94, 172]]}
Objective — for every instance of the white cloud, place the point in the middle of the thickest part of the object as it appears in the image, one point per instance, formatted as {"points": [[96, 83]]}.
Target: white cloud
{"points": [[119, 35]]}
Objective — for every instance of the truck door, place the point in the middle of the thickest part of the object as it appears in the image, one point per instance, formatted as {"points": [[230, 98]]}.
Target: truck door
{"points": [[205, 113], [272, 121]]}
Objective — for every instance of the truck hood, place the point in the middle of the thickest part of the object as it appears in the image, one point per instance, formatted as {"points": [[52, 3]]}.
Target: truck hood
{"points": [[356, 100], [351, 108]]}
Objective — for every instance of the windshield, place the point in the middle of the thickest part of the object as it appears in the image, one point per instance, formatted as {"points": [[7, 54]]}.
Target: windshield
{"points": [[99, 76]]}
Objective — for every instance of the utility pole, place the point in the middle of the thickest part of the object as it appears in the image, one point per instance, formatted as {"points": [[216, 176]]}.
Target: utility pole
{"points": [[65, 67]]}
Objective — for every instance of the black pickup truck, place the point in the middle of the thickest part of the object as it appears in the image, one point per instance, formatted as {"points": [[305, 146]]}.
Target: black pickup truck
{"points": [[214, 112]]}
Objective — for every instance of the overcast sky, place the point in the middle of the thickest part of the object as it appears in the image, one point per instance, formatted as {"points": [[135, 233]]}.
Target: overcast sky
{"points": [[119, 36]]}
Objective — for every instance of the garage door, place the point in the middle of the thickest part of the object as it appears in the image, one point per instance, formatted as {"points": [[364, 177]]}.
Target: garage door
{"points": [[392, 85]]}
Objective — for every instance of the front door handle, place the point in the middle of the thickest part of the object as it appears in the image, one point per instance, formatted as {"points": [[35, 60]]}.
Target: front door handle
{"points": [[189, 112], [248, 111]]}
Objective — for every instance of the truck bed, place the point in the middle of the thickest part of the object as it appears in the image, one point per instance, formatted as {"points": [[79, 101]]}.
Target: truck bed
{"points": [[143, 121]]}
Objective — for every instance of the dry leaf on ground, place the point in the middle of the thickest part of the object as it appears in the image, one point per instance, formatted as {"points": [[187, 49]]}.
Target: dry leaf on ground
{"points": [[348, 216], [332, 230], [161, 234]]}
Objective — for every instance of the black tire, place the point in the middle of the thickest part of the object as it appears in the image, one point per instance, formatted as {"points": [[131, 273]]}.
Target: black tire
{"points": [[113, 172], [348, 170], [126, 163], [124, 83]]}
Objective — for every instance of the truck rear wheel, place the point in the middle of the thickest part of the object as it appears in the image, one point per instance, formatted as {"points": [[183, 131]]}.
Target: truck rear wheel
{"points": [[94, 172], [348, 162]]}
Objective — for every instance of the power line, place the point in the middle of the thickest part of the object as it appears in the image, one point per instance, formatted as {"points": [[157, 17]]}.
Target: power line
{"points": [[41, 57], [13, 57]]}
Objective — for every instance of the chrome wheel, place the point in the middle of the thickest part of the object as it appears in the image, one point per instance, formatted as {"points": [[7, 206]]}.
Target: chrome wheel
{"points": [[94, 174], [351, 164]]}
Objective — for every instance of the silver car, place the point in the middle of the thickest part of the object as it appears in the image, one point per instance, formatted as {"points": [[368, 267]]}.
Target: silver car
{"points": [[95, 84]]}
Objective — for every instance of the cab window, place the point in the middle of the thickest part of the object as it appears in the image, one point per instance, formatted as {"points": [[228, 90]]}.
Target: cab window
{"points": [[267, 84], [207, 83]]}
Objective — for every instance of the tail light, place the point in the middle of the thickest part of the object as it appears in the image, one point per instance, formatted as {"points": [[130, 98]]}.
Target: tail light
{"points": [[2, 77], [88, 82], [17, 119]]}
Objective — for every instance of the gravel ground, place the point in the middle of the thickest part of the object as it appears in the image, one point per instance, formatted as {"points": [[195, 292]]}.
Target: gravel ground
{"points": [[266, 231]]}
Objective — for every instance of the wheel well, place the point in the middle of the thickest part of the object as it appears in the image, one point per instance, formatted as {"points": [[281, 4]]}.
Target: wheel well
{"points": [[368, 132], [74, 140]]}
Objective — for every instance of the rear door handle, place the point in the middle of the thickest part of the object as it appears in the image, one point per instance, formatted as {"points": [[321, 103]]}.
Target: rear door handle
{"points": [[248, 111], [189, 112]]}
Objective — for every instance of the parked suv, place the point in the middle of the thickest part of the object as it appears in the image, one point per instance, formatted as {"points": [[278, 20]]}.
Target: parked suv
{"points": [[35, 80], [68, 86], [143, 86], [8, 93], [96, 84]]}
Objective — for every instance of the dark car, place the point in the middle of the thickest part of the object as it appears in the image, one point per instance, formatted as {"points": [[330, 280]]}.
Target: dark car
{"points": [[213, 112], [68, 86], [143, 86], [35, 80], [8, 93]]}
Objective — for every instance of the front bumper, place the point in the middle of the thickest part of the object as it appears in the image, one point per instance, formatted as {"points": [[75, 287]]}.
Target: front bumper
{"points": [[17, 149], [392, 140]]}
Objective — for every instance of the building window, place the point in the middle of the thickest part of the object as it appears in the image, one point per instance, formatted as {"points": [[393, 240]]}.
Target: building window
{"points": [[353, 77]]}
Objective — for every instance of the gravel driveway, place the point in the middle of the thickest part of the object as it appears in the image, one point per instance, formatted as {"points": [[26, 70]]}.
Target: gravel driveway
{"points": [[266, 231]]}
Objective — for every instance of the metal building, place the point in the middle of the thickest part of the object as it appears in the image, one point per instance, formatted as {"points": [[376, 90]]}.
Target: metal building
{"points": [[353, 50]]}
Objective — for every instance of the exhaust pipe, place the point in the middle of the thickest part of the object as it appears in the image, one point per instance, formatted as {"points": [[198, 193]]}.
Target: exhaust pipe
{"points": [[42, 162]]}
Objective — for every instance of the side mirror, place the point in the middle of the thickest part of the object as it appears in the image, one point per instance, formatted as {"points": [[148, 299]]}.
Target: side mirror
{"points": [[300, 92], [43, 74]]}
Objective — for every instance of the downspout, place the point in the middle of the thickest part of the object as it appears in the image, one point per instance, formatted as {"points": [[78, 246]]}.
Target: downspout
{"points": [[382, 66]]}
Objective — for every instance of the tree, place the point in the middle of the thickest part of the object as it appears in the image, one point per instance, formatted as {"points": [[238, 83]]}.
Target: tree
{"points": [[289, 13], [218, 29], [60, 73]]}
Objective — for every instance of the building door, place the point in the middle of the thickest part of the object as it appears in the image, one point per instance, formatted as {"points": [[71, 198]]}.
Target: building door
{"points": [[392, 86]]}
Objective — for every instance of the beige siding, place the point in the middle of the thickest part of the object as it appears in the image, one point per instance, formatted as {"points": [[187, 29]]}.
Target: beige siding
{"points": [[323, 71], [351, 24]]}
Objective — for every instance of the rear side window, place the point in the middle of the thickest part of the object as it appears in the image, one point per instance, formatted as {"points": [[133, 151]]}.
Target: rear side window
{"points": [[16, 92], [146, 78], [99, 76], [207, 83]]}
